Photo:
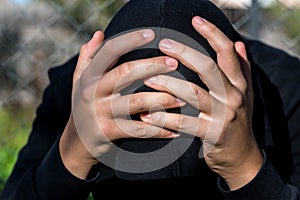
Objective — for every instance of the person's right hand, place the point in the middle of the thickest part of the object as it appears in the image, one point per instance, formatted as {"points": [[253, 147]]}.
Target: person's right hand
{"points": [[99, 114]]}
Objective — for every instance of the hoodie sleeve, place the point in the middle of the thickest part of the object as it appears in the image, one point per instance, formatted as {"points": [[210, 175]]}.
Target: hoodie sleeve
{"points": [[276, 183], [39, 172], [266, 185]]}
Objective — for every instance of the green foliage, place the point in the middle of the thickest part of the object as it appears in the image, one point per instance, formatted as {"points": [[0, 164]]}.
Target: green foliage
{"points": [[293, 23], [15, 126], [290, 18]]}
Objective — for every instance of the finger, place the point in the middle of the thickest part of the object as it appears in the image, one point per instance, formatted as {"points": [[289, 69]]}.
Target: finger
{"points": [[186, 91], [87, 52], [94, 44], [241, 51], [227, 57], [137, 129], [125, 74], [142, 102], [203, 65], [177, 122], [112, 49]]}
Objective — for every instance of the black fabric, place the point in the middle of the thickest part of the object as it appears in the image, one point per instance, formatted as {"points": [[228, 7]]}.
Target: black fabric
{"points": [[44, 188], [275, 123], [22, 184], [175, 15], [267, 192]]}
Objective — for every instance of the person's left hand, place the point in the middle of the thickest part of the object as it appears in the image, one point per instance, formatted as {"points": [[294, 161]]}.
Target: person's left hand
{"points": [[225, 120]]}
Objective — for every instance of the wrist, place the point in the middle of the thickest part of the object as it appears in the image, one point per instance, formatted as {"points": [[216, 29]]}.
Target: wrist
{"points": [[245, 171], [267, 178], [74, 155]]}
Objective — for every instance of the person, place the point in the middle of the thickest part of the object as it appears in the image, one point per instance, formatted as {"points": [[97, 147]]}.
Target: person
{"points": [[219, 119]]}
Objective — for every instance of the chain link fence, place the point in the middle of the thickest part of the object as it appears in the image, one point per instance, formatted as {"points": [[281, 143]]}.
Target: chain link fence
{"points": [[36, 35]]}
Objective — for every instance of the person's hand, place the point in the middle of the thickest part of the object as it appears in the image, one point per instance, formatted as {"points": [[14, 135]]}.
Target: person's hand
{"points": [[99, 114], [224, 123]]}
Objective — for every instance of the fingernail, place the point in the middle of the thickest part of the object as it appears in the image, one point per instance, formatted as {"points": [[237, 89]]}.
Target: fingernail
{"points": [[171, 62], [148, 34], [199, 20], [151, 80], [180, 102], [167, 44], [175, 135], [146, 117]]}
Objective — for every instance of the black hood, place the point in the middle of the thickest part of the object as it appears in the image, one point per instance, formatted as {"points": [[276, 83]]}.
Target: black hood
{"points": [[171, 14], [162, 15]]}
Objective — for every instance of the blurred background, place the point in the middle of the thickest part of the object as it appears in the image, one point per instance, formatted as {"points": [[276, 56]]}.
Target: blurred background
{"points": [[36, 35]]}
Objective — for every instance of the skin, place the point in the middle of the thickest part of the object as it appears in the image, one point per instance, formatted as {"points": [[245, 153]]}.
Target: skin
{"points": [[78, 156], [229, 145]]}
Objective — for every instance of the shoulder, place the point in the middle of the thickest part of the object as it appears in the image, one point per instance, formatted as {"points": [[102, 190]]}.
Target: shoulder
{"points": [[281, 68], [63, 72], [55, 107]]}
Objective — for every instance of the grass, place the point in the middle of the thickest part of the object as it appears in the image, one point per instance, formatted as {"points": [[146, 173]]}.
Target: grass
{"points": [[15, 125]]}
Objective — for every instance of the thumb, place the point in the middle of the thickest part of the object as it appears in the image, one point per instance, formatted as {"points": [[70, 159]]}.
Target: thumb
{"points": [[87, 52]]}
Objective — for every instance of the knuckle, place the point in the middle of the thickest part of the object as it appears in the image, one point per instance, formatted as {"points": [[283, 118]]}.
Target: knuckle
{"points": [[245, 86], [228, 45], [123, 69], [237, 100], [142, 132], [150, 66], [182, 50], [137, 102], [199, 94], [178, 123], [231, 115], [166, 100], [196, 96]]}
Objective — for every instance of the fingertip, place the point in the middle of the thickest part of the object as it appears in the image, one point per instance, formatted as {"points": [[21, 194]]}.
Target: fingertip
{"points": [[98, 37], [201, 25], [171, 134], [175, 135], [199, 20], [148, 34], [241, 49], [94, 44], [171, 62], [239, 45], [146, 117], [166, 44]]}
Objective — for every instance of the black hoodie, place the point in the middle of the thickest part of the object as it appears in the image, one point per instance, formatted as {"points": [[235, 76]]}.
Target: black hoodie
{"points": [[40, 174]]}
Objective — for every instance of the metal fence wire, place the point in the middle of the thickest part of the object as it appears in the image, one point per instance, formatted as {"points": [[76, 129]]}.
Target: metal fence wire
{"points": [[36, 35]]}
